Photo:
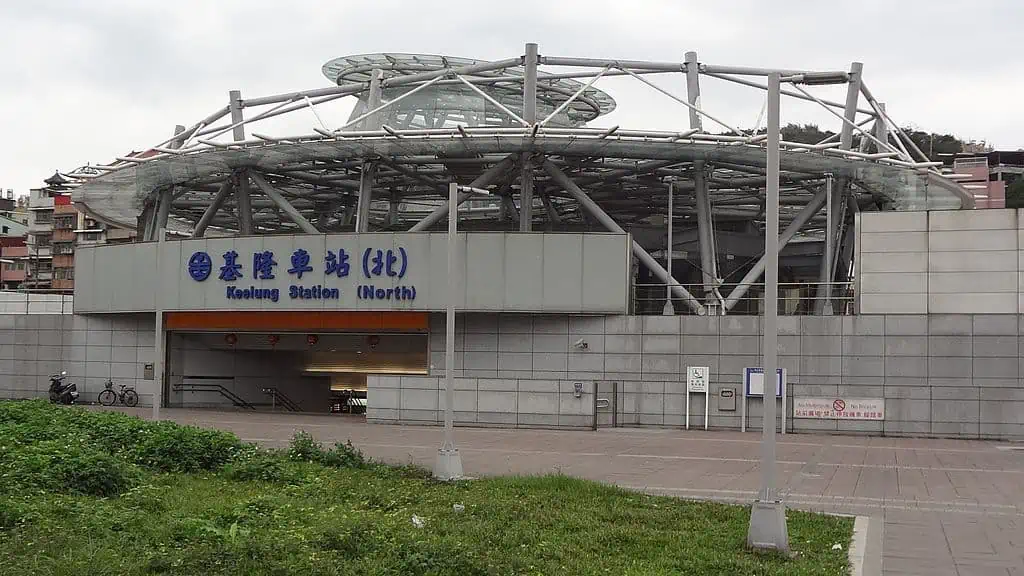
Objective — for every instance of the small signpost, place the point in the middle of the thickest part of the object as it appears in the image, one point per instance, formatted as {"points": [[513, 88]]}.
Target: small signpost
{"points": [[697, 383], [753, 386]]}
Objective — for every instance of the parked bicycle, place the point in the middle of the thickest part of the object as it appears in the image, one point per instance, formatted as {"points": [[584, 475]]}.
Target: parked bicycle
{"points": [[128, 396]]}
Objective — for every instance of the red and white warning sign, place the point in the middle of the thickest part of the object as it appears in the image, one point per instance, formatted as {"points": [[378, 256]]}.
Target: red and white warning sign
{"points": [[839, 408]]}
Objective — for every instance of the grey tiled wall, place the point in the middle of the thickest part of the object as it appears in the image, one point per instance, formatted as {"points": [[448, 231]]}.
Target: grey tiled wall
{"points": [[91, 349], [940, 375]]}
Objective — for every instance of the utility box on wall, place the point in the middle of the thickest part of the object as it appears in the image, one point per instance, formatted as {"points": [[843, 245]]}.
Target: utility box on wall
{"points": [[727, 400]]}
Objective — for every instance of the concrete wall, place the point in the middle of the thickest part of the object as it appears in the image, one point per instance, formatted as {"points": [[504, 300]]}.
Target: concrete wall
{"points": [[940, 375], [945, 262], [91, 350]]}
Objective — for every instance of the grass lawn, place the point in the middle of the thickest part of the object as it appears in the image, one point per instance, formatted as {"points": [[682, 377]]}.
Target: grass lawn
{"points": [[314, 511]]}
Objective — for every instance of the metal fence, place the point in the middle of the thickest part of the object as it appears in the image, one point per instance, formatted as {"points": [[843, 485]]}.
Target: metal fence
{"points": [[795, 298]]}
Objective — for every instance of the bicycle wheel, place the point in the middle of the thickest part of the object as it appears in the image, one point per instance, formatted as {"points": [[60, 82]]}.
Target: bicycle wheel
{"points": [[107, 397], [130, 398]]}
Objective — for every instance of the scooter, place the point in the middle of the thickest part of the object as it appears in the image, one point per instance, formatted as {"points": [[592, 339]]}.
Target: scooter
{"points": [[62, 392]]}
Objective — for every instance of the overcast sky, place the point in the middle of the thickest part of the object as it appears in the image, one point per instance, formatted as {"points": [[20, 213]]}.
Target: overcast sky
{"points": [[84, 81]]}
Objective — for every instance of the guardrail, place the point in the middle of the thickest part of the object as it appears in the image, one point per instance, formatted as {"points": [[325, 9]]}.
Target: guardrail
{"points": [[795, 298]]}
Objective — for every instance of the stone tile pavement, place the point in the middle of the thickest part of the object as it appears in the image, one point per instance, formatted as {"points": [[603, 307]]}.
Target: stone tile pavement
{"points": [[948, 507]]}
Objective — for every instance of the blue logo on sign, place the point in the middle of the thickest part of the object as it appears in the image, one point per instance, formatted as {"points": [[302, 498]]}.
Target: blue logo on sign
{"points": [[199, 266]]}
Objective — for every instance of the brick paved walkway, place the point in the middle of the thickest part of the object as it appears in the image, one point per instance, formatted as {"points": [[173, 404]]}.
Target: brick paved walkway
{"points": [[949, 507]]}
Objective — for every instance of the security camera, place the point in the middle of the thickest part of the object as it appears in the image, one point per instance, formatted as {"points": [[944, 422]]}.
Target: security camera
{"points": [[581, 344]]}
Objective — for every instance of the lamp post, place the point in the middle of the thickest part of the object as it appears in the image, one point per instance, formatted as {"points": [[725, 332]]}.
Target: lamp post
{"points": [[448, 465], [767, 528]]}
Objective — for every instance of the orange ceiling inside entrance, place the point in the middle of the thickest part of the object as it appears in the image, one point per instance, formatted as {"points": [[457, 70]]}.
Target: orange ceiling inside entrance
{"points": [[298, 321]]}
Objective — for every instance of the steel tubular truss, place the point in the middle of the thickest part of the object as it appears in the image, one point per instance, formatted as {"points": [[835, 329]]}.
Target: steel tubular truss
{"points": [[518, 127]]}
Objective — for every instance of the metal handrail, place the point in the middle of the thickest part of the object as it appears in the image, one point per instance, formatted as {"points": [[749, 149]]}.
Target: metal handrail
{"points": [[280, 398], [235, 399], [649, 298]]}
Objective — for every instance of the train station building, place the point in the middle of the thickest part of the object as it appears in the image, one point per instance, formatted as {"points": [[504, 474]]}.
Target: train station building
{"points": [[594, 265]]}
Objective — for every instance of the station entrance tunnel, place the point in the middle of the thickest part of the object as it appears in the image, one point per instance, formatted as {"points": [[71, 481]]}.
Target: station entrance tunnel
{"points": [[280, 361]]}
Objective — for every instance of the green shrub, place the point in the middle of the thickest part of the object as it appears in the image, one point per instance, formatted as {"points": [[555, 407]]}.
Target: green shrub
{"points": [[162, 446], [263, 466], [169, 447], [304, 448], [69, 466]]}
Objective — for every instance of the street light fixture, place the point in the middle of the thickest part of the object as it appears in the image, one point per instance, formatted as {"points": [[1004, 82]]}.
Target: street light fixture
{"points": [[448, 465]]}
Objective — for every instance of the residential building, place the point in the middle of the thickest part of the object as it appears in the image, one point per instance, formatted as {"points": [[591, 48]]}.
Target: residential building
{"points": [[56, 227], [987, 174], [13, 261]]}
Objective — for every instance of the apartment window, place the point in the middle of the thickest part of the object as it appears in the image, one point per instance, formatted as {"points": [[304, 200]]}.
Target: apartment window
{"points": [[43, 241], [63, 248], [92, 236], [44, 217], [5, 230], [65, 223]]}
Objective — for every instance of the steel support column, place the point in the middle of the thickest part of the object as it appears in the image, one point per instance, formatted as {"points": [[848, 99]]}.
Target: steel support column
{"points": [[530, 84], [805, 215], [393, 211], [235, 107], [211, 210], [608, 222], [826, 275], [706, 234], [553, 216], [525, 193], [243, 202], [366, 179], [369, 170], [705, 223], [282, 203], [163, 209], [693, 89], [486, 179]]}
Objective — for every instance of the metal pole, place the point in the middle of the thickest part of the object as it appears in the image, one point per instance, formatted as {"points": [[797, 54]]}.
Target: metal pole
{"points": [[823, 302], [826, 288], [235, 106], [448, 465], [768, 514], [525, 193], [158, 343], [669, 310], [530, 85]]}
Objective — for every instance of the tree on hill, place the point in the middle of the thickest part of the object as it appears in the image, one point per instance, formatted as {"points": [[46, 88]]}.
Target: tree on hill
{"points": [[1015, 194]]}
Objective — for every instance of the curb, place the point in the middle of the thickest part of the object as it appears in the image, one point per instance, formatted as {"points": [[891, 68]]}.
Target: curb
{"points": [[865, 552]]}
